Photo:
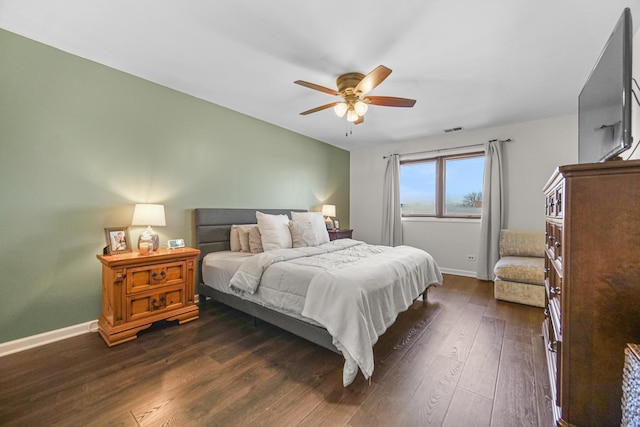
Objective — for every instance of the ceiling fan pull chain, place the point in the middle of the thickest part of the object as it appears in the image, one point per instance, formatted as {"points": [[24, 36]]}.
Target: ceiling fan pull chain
{"points": [[349, 130]]}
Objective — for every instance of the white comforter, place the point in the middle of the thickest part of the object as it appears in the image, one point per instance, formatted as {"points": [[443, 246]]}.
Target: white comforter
{"points": [[356, 293]]}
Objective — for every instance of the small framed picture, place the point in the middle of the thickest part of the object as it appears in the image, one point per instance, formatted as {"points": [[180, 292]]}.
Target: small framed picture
{"points": [[175, 243], [336, 223], [118, 241]]}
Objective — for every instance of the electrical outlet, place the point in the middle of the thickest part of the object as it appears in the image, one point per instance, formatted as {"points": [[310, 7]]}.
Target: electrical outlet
{"points": [[471, 257]]}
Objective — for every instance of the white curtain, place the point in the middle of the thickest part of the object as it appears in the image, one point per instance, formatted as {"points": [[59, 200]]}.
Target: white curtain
{"points": [[391, 214], [492, 211]]}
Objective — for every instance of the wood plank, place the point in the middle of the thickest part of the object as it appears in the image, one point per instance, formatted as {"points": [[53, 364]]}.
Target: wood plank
{"points": [[481, 370], [469, 410], [515, 398], [430, 402]]}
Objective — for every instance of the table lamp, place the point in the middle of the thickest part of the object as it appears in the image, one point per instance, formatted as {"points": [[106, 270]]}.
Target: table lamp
{"points": [[329, 211], [149, 215]]}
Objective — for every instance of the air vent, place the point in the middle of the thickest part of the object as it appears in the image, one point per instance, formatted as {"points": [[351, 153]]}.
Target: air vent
{"points": [[455, 129]]}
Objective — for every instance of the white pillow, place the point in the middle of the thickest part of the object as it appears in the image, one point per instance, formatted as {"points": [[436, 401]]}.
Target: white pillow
{"points": [[312, 221], [302, 234], [274, 230], [234, 239]]}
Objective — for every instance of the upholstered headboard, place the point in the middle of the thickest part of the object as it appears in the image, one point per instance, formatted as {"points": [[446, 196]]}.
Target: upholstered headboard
{"points": [[213, 225]]}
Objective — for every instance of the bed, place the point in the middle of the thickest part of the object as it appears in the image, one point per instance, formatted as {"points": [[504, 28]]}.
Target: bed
{"points": [[310, 308]]}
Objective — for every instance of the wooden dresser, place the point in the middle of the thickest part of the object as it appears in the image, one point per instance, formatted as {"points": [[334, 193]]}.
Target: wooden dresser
{"points": [[592, 280], [138, 290]]}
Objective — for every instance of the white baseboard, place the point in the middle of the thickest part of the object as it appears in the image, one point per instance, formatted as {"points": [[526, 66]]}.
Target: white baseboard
{"points": [[458, 272], [32, 341]]}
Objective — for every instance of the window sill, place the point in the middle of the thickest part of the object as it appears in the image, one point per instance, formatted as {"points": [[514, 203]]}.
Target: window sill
{"points": [[434, 219]]}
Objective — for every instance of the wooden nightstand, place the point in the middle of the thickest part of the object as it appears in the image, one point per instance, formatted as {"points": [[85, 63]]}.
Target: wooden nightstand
{"points": [[340, 233], [138, 290]]}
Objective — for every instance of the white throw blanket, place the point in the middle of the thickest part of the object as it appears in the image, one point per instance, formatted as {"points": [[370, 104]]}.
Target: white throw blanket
{"points": [[357, 297]]}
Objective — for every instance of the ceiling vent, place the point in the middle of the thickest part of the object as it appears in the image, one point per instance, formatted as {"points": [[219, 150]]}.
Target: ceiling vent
{"points": [[455, 129]]}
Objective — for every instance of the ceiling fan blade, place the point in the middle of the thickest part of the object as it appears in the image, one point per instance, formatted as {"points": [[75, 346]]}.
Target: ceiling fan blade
{"points": [[373, 79], [359, 120], [390, 101], [322, 107], [317, 87]]}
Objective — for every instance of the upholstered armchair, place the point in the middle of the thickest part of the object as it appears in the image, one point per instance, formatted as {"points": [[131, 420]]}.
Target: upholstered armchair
{"points": [[519, 274]]}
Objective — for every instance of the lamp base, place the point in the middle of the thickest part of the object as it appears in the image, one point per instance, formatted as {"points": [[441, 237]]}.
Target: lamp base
{"points": [[153, 235], [329, 223]]}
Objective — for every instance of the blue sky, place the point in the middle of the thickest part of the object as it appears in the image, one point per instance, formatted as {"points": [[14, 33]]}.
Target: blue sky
{"points": [[418, 179]]}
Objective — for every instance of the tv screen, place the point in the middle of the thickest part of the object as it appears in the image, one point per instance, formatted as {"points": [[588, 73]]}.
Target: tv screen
{"points": [[604, 105]]}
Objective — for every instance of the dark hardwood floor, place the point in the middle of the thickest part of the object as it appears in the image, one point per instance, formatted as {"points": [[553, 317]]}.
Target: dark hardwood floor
{"points": [[459, 359]]}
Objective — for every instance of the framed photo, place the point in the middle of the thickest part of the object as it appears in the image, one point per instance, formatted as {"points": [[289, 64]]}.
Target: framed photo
{"points": [[118, 241], [175, 243]]}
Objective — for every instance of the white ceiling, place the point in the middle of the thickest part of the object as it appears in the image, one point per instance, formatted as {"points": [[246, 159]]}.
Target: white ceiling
{"points": [[468, 63]]}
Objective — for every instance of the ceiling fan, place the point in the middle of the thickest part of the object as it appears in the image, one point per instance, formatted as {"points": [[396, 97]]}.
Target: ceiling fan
{"points": [[353, 88]]}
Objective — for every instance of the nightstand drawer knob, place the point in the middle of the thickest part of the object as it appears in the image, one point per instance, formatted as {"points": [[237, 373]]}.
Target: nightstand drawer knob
{"points": [[158, 276]]}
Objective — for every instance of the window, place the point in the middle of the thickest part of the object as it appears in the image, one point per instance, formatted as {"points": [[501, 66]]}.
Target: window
{"points": [[444, 186]]}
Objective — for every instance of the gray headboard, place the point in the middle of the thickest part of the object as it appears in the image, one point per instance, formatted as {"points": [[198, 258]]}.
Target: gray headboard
{"points": [[213, 225]]}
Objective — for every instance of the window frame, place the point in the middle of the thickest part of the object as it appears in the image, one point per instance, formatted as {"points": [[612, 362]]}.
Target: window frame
{"points": [[440, 175]]}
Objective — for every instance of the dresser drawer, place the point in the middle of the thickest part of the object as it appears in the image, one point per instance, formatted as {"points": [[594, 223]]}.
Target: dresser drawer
{"points": [[142, 279], [553, 243], [150, 303]]}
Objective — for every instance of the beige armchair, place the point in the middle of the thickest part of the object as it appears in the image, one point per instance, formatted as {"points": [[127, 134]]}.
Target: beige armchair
{"points": [[519, 274]]}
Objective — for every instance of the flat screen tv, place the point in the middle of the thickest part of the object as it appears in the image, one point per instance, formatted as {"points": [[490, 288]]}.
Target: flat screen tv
{"points": [[604, 104]]}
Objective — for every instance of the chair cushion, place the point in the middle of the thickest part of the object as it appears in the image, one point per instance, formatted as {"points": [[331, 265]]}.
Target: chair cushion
{"points": [[521, 243], [520, 269]]}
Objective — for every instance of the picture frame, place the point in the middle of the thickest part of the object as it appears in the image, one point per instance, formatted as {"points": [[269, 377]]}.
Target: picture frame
{"points": [[118, 241], [175, 243]]}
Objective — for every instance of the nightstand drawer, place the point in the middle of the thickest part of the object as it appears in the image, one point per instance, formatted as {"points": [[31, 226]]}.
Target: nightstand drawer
{"points": [[151, 303], [340, 234], [142, 279]]}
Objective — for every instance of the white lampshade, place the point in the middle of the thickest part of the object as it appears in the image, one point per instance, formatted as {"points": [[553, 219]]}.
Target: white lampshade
{"points": [[148, 214], [361, 108], [340, 108], [329, 210]]}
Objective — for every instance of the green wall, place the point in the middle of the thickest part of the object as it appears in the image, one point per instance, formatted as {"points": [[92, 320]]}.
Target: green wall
{"points": [[81, 143]]}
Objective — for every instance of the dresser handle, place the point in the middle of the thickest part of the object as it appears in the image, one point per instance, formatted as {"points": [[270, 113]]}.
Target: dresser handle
{"points": [[552, 346], [557, 244], [551, 238], [555, 291], [157, 304], [162, 275]]}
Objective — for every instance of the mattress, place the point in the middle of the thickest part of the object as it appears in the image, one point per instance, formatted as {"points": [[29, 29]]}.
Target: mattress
{"points": [[286, 297]]}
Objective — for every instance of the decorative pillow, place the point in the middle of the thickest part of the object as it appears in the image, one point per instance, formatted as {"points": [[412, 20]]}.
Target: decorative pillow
{"points": [[243, 234], [313, 223], [234, 239], [274, 230], [255, 241]]}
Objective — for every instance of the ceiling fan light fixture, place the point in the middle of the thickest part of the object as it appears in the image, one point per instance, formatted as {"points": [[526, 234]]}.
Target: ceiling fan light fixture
{"points": [[361, 107], [352, 116], [340, 109]]}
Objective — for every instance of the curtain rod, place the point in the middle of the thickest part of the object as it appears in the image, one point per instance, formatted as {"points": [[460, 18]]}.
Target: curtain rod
{"points": [[447, 149]]}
